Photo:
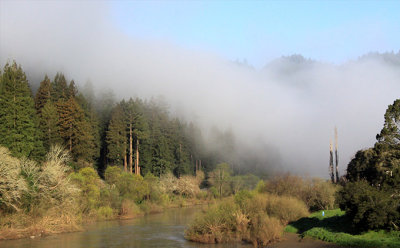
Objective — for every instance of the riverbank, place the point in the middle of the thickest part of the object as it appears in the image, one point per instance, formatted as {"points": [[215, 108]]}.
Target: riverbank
{"points": [[290, 240], [22, 225], [334, 227]]}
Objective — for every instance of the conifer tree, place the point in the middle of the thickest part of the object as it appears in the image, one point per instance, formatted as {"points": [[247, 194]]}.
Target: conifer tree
{"points": [[116, 138], [48, 118], [59, 87], [18, 121], [75, 130], [43, 95]]}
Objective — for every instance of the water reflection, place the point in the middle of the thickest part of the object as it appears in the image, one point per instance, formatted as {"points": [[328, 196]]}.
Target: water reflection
{"points": [[157, 230]]}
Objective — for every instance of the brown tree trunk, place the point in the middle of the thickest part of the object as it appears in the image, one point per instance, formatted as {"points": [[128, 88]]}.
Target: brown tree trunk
{"points": [[137, 157], [130, 148], [70, 138]]}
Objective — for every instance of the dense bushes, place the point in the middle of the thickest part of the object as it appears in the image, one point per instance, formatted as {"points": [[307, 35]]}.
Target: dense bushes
{"points": [[252, 217], [370, 207], [318, 194]]}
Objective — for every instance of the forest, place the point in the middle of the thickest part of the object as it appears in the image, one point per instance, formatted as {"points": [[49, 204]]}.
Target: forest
{"points": [[66, 160], [137, 134]]}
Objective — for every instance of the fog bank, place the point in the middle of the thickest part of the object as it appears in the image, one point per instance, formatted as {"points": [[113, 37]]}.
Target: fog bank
{"points": [[286, 110]]}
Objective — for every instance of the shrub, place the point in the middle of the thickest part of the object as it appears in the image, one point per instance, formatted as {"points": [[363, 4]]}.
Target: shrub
{"points": [[105, 213], [129, 208], [112, 174], [243, 218], [187, 186], [368, 206], [317, 194], [286, 208], [12, 185], [133, 187], [89, 183]]}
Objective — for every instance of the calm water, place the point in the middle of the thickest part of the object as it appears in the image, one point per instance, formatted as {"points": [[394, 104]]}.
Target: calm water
{"points": [[156, 230]]}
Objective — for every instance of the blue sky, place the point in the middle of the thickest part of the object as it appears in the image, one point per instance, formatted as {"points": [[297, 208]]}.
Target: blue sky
{"points": [[258, 31]]}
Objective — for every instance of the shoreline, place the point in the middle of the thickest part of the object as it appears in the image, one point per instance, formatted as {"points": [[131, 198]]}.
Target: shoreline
{"points": [[290, 240], [36, 230]]}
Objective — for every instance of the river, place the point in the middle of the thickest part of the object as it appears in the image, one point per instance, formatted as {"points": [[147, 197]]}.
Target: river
{"points": [[155, 230]]}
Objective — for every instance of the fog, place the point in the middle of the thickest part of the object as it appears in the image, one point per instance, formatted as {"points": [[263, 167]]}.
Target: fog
{"points": [[286, 110]]}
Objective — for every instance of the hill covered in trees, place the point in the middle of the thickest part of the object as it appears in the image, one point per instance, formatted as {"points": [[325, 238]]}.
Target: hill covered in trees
{"points": [[139, 135]]}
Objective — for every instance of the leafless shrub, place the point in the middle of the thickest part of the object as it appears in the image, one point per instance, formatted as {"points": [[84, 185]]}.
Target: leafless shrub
{"points": [[12, 185]]}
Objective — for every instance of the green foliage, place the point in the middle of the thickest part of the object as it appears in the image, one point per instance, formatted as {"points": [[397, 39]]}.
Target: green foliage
{"points": [[112, 175], [371, 195], [105, 213], [336, 227], [89, 184], [48, 119], [369, 207], [18, 121], [390, 133], [220, 178], [116, 137]]}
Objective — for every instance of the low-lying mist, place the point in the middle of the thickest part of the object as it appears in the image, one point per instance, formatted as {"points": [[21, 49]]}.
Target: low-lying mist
{"points": [[284, 113]]}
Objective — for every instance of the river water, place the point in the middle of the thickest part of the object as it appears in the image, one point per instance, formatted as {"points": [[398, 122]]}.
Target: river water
{"points": [[156, 230]]}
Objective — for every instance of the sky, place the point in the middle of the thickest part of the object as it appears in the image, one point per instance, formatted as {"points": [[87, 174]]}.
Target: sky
{"points": [[284, 109], [259, 31]]}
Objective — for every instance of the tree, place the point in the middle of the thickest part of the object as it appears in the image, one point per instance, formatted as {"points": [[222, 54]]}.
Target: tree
{"points": [[75, 130], [220, 177], [48, 119], [138, 130], [390, 133], [372, 195], [18, 121], [116, 138], [59, 87], [43, 95]]}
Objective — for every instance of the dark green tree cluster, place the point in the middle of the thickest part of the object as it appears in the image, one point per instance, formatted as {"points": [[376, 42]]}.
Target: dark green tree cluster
{"points": [[141, 137], [18, 120], [56, 115], [138, 135], [371, 194]]}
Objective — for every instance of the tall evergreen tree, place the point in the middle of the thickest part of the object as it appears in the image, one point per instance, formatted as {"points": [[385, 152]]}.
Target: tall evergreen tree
{"points": [[59, 87], [43, 95], [116, 138], [48, 118], [18, 122], [75, 130]]}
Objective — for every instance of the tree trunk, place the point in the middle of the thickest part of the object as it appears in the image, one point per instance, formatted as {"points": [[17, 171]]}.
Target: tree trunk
{"points": [[137, 157], [130, 148], [70, 138]]}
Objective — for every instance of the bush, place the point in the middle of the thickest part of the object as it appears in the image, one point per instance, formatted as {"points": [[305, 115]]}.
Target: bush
{"points": [[105, 213], [286, 208], [133, 187], [89, 183], [187, 186], [316, 193], [12, 185], [369, 207], [112, 174], [252, 217]]}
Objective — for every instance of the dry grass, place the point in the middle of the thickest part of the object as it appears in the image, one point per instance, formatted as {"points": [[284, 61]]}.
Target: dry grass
{"points": [[21, 225], [12, 185]]}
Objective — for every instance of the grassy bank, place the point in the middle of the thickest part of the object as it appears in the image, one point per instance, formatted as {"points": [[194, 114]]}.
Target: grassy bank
{"points": [[337, 228]]}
